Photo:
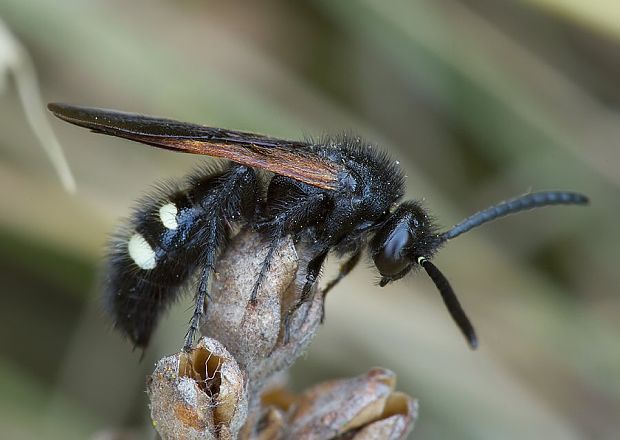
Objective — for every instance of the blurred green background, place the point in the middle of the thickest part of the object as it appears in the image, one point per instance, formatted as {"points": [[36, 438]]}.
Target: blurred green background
{"points": [[480, 100]]}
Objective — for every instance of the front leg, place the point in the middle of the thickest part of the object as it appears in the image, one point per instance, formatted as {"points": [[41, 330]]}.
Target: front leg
{"points": [[345, 269], [312, 273]]}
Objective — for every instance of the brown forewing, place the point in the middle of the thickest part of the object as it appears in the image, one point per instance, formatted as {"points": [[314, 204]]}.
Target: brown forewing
{"points": [[288, 158]]}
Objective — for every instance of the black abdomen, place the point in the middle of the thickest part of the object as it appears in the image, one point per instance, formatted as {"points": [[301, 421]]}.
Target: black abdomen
{"points": [[164, 244]]}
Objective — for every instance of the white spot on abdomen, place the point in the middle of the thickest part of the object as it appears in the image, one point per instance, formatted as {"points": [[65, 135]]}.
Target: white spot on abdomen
{"points": [[168, 215], [141, 252]]}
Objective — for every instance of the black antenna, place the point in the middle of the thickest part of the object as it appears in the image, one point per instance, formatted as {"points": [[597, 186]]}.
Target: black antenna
{"points": [[528, 201], [451, 301]]}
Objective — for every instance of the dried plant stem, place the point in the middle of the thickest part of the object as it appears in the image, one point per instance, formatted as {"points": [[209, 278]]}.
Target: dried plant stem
{"points": [[225, 387]]}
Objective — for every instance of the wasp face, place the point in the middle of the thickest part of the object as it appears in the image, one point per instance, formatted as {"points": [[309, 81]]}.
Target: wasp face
{"points": [[406, 236]]}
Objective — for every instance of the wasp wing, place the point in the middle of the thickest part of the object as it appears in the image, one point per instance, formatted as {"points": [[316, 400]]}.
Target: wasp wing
{"points": [[288, 158]]}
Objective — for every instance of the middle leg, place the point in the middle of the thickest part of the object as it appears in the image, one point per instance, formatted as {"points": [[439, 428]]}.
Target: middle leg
{"points": [[291, 208]]}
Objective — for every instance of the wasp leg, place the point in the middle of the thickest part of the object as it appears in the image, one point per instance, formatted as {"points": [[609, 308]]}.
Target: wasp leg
{"points": [[292, 217], [345, 269], [273, 244], [312, 274], [314, 268], [224, 199], [203, 293]]}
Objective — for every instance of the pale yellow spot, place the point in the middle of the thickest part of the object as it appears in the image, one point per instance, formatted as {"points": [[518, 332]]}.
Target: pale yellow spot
{"points": [[168, 216], [141, 252]]}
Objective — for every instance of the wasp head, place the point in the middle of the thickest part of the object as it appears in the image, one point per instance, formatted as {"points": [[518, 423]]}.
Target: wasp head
{"points": [[406, 236], [407, 239]]}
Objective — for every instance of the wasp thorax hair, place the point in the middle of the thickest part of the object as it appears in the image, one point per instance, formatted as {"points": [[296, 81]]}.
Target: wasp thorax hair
{"points": [[334, 194]]}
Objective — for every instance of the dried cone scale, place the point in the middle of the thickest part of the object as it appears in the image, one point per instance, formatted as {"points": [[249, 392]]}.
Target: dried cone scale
{"points": [[225, 389]]}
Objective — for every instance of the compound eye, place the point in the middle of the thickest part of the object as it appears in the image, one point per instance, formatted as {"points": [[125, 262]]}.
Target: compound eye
{"points": [[390, 257]]}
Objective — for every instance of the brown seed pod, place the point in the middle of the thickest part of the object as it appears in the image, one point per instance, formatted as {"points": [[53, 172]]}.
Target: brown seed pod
{"points": [[198, 395], [230, 385]]}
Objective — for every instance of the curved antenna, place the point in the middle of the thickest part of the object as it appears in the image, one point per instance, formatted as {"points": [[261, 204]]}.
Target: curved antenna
{"points": [[451, 301], [528, 201]]}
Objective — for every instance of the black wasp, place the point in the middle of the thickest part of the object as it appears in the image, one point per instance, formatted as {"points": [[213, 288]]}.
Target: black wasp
{"points": [[335, 194]]}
